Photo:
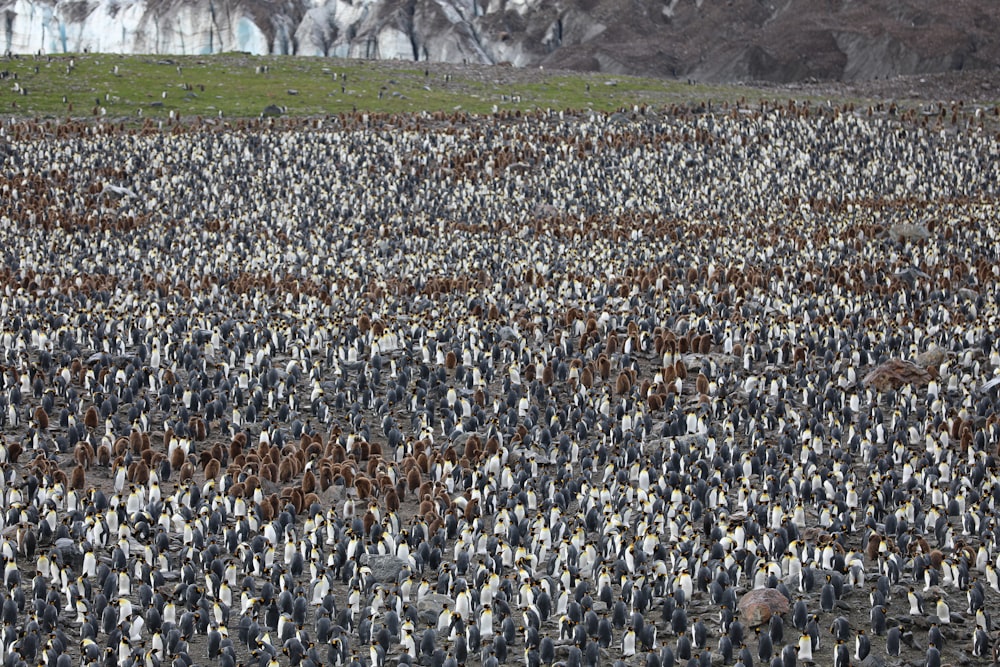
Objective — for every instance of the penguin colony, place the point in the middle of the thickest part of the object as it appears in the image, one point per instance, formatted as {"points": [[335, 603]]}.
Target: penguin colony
{"points": [[549, 389]]}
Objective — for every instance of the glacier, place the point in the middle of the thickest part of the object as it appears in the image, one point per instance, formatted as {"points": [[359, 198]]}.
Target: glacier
{"points": [[439, 30]]}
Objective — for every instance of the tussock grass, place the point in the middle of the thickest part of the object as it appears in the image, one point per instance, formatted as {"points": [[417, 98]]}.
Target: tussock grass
{"points": [[238, 86]]}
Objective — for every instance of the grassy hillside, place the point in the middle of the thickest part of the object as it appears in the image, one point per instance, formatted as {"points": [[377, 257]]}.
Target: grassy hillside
{"points": [[238, 85]]}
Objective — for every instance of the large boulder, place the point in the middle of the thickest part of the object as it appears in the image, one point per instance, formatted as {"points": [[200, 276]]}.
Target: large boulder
{"points": [[931, 358], [758, 606], [431, 606], [385, 568], [906, 231], [895, 373]]}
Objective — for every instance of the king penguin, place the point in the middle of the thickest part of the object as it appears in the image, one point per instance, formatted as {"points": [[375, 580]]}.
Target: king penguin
{"points": [[980, 643], [933, 657], [892, 641], [841, 654], [862, 647]]}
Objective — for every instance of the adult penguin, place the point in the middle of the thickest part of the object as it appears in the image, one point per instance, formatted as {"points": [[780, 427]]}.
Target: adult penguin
{"points": [[683, 651], [934, 636], [892, 641], [546, 651], [699, 633], [776, 629], [725, 649], [800, 615], [933, 658], [679, 621], [765, 649], [827, 597], [805, 648], [862, 646], [980, 643], [604, 632], [840, 628], [841, 654], [878, 620]]}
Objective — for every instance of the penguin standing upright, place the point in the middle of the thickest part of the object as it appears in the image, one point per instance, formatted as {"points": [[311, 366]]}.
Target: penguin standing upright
{"points": [[933, 658], [604, 632], [943, 611], [878, 620], [934, 636], [776, 629], [725, 649], [678, 621], [892, 640], [800, 615], [765, 649], [992, 580], [980, 643], [827, 597], [684, 648], [841, 654], [916, 602], [546, 650], [841, 628], [862, 646], [983, 619], [699, 633], [805, 647], [628, 643], [812, 629]]}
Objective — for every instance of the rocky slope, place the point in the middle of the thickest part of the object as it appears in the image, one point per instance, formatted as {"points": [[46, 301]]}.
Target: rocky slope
{"points": [[710, 40]]}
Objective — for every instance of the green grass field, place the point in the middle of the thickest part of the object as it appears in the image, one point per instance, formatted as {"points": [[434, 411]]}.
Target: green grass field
{"points": [[238, 85]]}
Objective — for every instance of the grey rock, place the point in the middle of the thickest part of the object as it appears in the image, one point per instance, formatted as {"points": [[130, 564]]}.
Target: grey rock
{"points": [[933, 356], [272, 110], [385, 568], [873, 660], [966, 293], [540, 457], [431, 606], [70, 551], [507, 334], [458, 444], [543, 210], [911, 275], [909, 232]]}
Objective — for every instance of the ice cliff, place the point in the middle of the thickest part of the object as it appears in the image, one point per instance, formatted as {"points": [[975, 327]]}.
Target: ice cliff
{"points": [[442, 30]]}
